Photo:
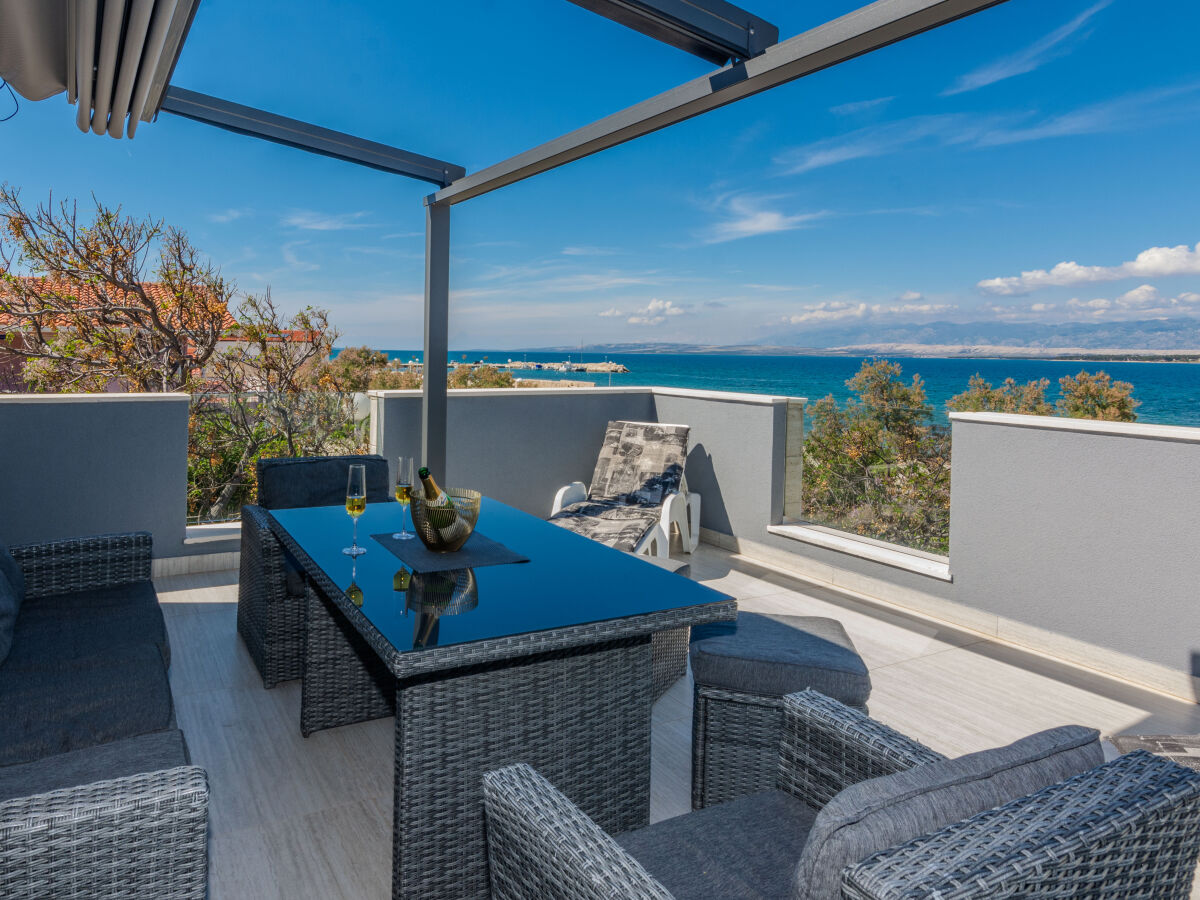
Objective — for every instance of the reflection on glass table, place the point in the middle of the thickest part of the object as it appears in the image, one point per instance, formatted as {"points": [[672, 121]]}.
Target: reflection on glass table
{"points": [[432, 595]]}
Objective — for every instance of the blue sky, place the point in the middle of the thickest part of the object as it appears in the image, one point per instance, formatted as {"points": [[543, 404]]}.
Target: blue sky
{"points": [[1036, 162]]}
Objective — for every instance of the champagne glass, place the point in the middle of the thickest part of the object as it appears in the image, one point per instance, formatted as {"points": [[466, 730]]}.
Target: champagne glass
{"points": [[404, 486], [356, 504]]}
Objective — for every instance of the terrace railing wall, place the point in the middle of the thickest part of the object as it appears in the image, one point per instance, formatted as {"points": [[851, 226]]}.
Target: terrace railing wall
{"points": [[1073, 538], [521, 445], [78, 464]]}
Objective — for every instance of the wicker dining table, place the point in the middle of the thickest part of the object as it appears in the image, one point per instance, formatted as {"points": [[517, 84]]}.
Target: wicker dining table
{"points": [[549, 663]]}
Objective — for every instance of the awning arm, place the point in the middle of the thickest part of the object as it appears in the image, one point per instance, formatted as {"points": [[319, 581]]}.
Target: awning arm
{"points": [[713, 30], [874, 26], [304, 136]]}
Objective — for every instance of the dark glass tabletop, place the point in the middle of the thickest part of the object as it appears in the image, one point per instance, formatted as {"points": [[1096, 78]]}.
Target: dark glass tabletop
{"points": [[569, 580]]}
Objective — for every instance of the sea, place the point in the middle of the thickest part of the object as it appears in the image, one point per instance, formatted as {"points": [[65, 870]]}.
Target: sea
{"points": [[1169, 392]]}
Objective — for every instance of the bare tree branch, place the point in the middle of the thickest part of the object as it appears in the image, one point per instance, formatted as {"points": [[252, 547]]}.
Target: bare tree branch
{"points": [[118, 299]]}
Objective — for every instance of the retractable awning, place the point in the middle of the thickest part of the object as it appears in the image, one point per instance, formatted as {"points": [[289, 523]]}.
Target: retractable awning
{"points": [[113, 58]]}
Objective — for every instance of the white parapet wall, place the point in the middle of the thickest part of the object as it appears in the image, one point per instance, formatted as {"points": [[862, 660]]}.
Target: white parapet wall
{"points": [[1074, 538], [1083, 539], [520, 445], [80, 464]]}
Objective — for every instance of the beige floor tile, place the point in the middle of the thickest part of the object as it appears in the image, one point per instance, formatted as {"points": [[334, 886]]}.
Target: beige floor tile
{"points": [[299, 818]]}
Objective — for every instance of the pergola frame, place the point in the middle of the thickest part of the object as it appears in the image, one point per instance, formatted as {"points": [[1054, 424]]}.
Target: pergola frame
{"points": [[873, 26]]}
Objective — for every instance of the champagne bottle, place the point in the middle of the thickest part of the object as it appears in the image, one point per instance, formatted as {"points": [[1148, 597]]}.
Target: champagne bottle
{"points": [[434, 495], [443, 514]]}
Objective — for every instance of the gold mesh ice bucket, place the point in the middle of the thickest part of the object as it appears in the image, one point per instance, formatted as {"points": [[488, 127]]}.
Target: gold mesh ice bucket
{"points": [[445, 528]]}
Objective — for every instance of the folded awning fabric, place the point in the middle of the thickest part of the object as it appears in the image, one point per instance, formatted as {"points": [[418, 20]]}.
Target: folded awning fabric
{"points": [[113, 58]]}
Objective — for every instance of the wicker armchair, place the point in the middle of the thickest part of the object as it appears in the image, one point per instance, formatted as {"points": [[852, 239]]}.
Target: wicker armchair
{"points": [[270, 615], [1129, 828]]}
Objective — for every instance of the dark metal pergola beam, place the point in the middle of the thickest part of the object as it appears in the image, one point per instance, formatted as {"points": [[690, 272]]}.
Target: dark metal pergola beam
{"points": [[304, 136], [874, 26], [714, 30]]}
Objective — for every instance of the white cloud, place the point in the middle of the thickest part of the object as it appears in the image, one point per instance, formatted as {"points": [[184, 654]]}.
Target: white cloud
{"points": [[310, 220], [655, 312], [610, 313], [749, 215], [1142, 110], [911, 309], [837, 310], [1096, 307], [588, 251], [850, 109], [1127, 113], [910, 296], [829, 311], [228, 215], [295, 262], [1050, 47], [876, 140], [1145, 295], [1156, 262], [1142, 302]]}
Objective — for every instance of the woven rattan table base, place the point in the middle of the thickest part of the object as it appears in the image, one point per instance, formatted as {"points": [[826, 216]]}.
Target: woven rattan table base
{"points": [[344, 680], [580, 715]]}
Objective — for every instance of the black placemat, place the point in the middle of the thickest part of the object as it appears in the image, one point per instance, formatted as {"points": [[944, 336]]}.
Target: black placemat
{"points": [[477, 551]]}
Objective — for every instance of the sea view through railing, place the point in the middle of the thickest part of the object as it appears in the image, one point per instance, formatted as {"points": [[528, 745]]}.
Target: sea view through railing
{"points": [[1169, 391]]}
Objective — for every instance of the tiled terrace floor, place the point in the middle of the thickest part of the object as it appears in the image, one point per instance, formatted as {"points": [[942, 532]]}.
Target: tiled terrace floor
{"points": [[311, 818]]}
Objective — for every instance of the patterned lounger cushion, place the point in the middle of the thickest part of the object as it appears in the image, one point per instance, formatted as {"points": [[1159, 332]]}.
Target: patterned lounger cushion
{"points": [[640, 463], [608, 522]]}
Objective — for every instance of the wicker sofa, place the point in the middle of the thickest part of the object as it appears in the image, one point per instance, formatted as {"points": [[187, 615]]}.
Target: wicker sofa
{"points": [[97, 796], [864, 813]]}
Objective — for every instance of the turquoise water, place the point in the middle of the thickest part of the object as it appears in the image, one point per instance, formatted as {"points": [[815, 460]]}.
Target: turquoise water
{"points": [[1170, 392]]}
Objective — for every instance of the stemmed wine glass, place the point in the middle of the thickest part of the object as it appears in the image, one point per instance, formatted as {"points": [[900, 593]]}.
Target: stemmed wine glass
{"points": [[404, 484], [356, 504]]}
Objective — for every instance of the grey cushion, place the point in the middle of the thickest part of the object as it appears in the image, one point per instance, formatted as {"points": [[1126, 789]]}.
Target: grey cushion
{"points": [[67, 704], [10, 570], [609, 522], [290, 482], [116, 759], [886, 812], [137, 595], [639, 463], [778, 655], [10, 605], [742, 850], [83, 623]]}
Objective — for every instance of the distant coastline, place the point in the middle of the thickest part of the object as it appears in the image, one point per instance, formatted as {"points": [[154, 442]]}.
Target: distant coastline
{"points": [[907, 351]]}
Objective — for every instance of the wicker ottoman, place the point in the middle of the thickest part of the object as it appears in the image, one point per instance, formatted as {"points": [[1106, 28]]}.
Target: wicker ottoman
{"points": [[742, 670]]}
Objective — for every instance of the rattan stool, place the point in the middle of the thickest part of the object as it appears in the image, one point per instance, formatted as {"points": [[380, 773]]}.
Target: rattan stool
{"points": [[742, 670]]}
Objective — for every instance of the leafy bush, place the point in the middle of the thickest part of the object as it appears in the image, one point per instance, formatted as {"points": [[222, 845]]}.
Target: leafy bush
{"points": [[878, 466]]}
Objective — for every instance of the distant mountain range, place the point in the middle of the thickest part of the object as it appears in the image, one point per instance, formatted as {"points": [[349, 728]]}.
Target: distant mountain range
{"points": [[1146, 337], [1150, 334]]}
